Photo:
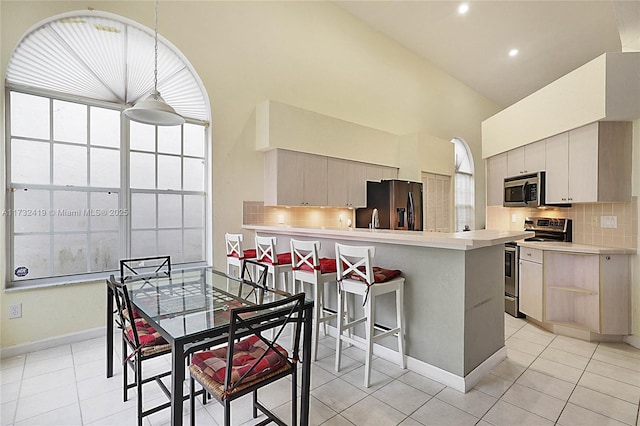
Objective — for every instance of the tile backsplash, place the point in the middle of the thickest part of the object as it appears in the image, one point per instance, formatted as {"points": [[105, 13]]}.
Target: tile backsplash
{"points": [[256, 213], [586, 218]]}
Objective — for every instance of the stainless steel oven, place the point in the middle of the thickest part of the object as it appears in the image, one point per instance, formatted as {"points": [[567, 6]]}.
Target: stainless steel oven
{"points": [[546, 229], [511, 305]]}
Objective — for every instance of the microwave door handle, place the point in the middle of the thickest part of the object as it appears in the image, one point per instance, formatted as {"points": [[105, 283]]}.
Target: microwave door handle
{"points": [[524, 192]]}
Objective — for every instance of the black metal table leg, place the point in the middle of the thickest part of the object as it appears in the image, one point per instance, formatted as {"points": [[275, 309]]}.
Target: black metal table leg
{"points": [[109, 332], [306, 366], [177, 380]]}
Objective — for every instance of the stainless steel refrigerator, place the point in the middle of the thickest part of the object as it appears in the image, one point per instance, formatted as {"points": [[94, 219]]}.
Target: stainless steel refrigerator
{"points": [[398, 204]]}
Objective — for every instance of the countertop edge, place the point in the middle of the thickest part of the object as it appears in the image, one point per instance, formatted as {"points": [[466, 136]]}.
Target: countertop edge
{"points": [[576, 248], [454, 241]]}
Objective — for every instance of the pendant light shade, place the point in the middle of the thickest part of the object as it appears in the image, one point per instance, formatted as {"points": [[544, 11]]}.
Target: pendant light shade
{"points": [[153, 109]]}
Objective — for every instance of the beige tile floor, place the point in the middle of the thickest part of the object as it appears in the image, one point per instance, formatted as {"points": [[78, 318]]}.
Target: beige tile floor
{"points": [[545, 380]]}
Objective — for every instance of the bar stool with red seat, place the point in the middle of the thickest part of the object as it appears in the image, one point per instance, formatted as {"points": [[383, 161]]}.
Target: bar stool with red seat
{"points": [[308, 267], [235, 253], [357, 276], [278, 264]]}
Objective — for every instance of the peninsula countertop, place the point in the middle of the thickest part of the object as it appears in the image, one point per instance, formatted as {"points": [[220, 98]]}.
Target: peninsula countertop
{"points": [[468, 240]]}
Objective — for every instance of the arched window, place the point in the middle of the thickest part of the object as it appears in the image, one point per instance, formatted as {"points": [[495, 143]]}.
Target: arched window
{"points": [[464, 186], [87, 187]]}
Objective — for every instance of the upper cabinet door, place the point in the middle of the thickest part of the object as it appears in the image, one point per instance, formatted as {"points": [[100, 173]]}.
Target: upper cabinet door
{"points": [[315, 180], [357, 184], [338, 182], [534, 157], [583, 164], [557, 162], [496, 172], [515, 162]]}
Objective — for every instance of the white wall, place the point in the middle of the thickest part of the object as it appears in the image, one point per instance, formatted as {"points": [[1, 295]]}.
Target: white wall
{"points": [[312, 55]]}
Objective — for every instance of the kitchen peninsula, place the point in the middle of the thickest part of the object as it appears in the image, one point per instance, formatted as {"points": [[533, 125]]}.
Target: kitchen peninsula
{"points": [[454, 293]]}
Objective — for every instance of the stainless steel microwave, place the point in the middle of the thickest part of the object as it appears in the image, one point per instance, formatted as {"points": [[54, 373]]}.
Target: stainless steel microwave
{"points": [[524, 190]]}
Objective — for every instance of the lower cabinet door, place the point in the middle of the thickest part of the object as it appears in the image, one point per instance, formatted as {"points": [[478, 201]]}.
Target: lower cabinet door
{"points": [[531, 289]]}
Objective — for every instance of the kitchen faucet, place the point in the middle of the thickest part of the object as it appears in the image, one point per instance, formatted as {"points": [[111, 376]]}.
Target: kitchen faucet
{"points": [[375, 223]]}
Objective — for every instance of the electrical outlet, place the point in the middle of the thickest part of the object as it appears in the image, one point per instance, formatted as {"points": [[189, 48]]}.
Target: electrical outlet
{"points": [[281, 219], [594, 220], [514, 218], [609, 221], [15, 310]]}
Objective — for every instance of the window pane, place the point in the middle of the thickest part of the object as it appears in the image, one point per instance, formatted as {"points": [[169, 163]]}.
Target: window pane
{"points": [[193, 174], [104, 206], [193, 245], [31, 256], [143, 136], [71, 212], [194, 140], [29, 116], [105, 168], [69, 165], [70, 253], [69, 122], [169, 211], [194, 211], [143, 170], [31, 211], [170, 243], [104, 252], [30, 161], [105, 127], [169, 139], [143, 211], [143, 244], [169, 172]]}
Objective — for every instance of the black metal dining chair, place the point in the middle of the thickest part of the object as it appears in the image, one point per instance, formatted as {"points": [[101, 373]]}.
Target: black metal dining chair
{"points": [[130, 268], [250, 361], [140, 342]]}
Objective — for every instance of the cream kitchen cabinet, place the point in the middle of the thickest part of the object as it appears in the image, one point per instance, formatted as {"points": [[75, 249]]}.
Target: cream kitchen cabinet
{"points": [[347, 183], [590, 164], [295, 179], [589, 292], [377, 172], [531, 283], [526, 159], [496, 172]]}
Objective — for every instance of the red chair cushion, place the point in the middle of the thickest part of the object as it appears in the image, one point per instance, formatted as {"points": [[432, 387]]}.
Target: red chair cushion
{"points": [[248, 254], [326, 266], [380, 275], [283, 259], [147, 335], [245, 355]]}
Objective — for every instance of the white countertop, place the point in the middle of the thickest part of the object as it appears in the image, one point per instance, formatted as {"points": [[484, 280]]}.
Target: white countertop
{"points": [[575, 248], [457, 241]]}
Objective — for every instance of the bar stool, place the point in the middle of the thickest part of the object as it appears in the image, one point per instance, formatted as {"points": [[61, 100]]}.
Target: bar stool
{"points": [[235, 253], [308, 267], [357, 276], [278, 264]]}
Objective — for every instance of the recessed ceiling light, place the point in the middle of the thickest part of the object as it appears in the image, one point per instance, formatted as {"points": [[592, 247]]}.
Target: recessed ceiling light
{"points": [[463, 8], [513, 52]]}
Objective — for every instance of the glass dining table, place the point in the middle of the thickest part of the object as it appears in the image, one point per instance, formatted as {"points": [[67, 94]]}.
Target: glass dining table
{"points": [[189, 308]]}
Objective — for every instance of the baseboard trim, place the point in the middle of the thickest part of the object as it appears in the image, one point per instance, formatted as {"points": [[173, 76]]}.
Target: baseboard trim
{"points": [[52, 342], [459, 383], [633, 340]]}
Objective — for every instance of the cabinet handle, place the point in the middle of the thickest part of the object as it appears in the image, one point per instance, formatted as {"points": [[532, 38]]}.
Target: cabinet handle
{"points": [[529, 254], [607, 258]]}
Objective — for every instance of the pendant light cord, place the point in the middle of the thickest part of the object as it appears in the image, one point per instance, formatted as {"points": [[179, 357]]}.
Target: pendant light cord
{"points": [[155, 59]]}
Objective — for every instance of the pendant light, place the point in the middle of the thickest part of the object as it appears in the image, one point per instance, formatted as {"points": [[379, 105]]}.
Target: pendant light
{"points": [[153, 109]]}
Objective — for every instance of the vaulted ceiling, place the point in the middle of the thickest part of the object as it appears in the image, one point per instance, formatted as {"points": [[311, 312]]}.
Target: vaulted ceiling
{"points": [[552, 37]]}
